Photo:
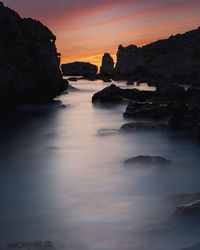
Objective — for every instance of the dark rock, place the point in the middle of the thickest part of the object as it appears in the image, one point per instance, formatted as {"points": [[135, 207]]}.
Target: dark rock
{"points": [[142, 126], [147, 160], [179, 122], [79, 69], [171, 90], [106, 79], [172, 60], [73, 79], [29, 62], [129, 83], [107, 67], [188, 209], [145, 110], [116, 94]]}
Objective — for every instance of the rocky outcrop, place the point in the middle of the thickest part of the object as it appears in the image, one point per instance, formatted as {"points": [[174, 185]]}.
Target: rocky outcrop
{"points": [[114, 94], [107, 67], [79, 69], [29, 62], [147, 160], [172, 60]]}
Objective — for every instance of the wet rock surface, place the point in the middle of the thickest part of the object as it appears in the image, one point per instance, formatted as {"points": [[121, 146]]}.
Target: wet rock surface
{"points": [[79, 69], [147, 160], [30, 64]]}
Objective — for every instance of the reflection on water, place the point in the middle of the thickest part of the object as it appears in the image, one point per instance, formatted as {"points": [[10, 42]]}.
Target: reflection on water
{"points": [[63, 180]]}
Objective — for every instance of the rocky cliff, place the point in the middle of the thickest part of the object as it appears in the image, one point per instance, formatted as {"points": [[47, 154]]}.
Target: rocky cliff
{"points": [[29, 62], [79, 69], [107, 67], [172, 60]]}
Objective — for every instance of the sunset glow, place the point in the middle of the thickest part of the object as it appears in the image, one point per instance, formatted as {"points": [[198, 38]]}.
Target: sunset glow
{"points": [[86, 29]]}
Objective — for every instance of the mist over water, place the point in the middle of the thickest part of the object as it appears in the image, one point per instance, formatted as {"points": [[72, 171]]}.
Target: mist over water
{"points": [[62, 178]]}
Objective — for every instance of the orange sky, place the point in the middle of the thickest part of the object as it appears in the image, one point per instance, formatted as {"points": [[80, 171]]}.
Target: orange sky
{"points": [[86, 29]]}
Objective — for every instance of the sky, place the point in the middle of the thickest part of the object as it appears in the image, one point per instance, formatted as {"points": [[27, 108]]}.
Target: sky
{"points": [[86, 29]]}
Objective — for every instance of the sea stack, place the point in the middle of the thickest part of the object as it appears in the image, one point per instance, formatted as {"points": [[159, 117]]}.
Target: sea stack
{"points": [[107, 67], [30, 64]]}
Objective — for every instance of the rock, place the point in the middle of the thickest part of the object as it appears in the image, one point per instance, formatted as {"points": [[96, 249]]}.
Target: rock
{"points": [[107, 67], [106, 79], [113, 94], [147, 160], [38, 245], [73, 79], [180, 122], [142, 126], [171, 90], [173, 60], [145, 110], [188, 209], [79, 69], [129, 83], [30, 64]]}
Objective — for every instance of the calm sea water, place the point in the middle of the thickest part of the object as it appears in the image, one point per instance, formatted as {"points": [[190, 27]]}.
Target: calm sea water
{"points": [[62, 178]]}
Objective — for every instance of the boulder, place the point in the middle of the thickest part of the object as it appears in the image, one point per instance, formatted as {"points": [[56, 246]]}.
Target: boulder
{"points": [[84, 69], [116, 94], [107, 67], [30, 63], [188, 209], [147, 160], [145, 110]]}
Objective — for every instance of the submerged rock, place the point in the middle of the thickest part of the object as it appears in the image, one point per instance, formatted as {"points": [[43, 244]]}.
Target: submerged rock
{"points": [[30, 64], [142, 126], [147, 160], [38, 245], [188, 209], [107, 67], [79, 69]]}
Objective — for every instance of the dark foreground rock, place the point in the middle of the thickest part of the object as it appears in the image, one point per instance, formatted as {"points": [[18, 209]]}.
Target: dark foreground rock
{"points": [[30, 64], [107, 67], [145, 110], [188, 209], [172, 60], [79, 69], [147, 160], [38, 245], [114, 94], [142, 126]]}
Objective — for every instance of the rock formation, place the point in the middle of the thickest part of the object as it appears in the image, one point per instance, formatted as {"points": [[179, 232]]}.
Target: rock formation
{"points": [[107, 67], [172, 60], [79, 69], [29, 62]]}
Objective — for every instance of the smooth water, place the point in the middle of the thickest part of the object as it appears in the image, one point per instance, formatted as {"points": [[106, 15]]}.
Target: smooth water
{"points": [[62, 178]]}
